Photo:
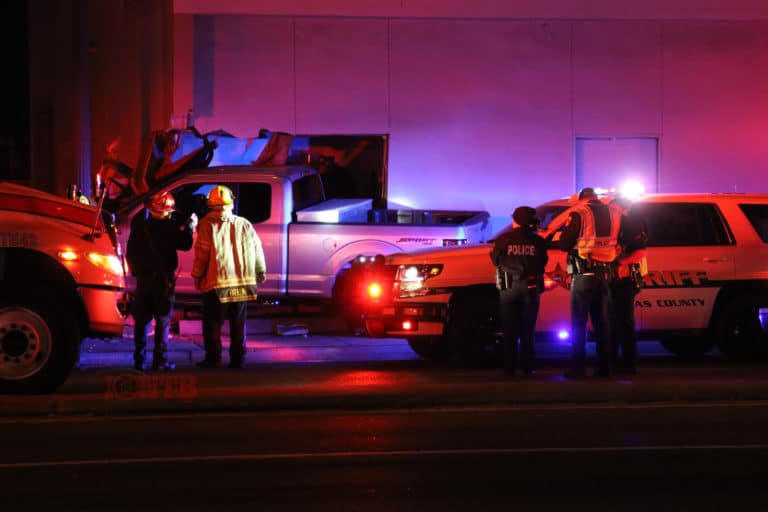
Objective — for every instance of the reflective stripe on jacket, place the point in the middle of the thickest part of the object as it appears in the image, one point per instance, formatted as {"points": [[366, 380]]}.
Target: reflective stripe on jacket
{"points": [[601, 246], [228, 253]]}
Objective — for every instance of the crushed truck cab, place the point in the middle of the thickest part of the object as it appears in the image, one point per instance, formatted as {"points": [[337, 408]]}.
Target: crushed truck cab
{"points": [[61, 279]]}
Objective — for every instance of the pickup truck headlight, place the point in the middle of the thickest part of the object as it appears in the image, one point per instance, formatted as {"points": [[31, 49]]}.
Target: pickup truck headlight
{"points": [[411, 279]]}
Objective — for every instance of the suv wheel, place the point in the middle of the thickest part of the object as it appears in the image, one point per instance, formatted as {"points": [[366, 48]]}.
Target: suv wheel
{"points": [[738, 329], [687, 347], [431, 348], [471, 328]]}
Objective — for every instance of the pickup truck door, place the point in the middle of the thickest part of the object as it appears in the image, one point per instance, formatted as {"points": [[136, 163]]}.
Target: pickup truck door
{"points": [[255, 203], [253, 200]]}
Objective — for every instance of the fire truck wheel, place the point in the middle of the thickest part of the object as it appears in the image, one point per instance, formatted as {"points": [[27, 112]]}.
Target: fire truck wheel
{"points": [[39, 343], [471, 328], [738, 329]]}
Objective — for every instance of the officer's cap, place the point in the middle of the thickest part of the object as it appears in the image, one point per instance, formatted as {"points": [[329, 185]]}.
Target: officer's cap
{"points": [[587, 193], [525, 216]]}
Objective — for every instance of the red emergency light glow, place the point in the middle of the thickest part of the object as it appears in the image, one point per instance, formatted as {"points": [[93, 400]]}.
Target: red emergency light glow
{"points": [[407, 325], [549, 283], [374, 290]]}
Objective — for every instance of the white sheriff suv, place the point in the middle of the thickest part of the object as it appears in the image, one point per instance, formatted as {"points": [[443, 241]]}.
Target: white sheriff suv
{"points": [[707, 283]]}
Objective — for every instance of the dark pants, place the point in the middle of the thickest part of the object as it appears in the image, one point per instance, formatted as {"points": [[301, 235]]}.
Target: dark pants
{"points": [[623, 333], [214, 315], [154, 299], [589, 299], [519, 307]]}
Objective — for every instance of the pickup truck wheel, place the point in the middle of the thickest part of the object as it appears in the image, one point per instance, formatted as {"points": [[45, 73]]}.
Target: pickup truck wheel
{"points": [[471, 328], [687, 347], [431, 348], [738, 329], [39, 345], [374, 327], [346, 305]]}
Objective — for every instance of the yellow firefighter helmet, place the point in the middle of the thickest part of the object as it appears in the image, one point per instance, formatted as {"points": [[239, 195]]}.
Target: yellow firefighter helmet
{"points": [[220, 196]]}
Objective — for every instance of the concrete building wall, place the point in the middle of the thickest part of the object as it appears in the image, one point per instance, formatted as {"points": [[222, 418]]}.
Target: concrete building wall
{"points": [[484, 101], [483, 113]]}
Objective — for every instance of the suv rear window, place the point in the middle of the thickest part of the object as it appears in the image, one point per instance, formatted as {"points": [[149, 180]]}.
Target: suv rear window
{"points": [[546, 213], [683, 224], [758, 217]]}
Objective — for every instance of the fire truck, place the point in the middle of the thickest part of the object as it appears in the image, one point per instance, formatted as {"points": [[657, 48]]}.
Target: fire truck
{"points": [[61, 279]]}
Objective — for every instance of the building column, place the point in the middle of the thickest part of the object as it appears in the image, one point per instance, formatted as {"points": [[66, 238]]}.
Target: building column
{"points": [[99, 72]]}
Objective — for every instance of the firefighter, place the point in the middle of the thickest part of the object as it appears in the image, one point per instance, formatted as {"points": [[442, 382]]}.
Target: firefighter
{"points": [[590, 238], [631, 269], [151, 252], [229, 263], [520, 256]]}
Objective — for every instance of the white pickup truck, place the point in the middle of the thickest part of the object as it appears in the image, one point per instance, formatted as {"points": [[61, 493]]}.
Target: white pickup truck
{"points": [[309, 242]]}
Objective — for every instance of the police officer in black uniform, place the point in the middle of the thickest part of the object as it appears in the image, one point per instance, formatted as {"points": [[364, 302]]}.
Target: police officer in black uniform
{"points": [[631, 267], [590, 237], [520, 256]]}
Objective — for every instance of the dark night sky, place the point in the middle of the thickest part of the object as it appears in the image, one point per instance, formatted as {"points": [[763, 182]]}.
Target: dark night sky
{"points": [[14, 107]]}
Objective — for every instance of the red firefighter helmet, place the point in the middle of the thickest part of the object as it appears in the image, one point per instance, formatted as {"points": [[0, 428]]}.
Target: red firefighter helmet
{"points": [[162, 203]]}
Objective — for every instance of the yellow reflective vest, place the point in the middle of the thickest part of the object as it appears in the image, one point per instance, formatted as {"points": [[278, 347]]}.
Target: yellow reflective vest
{"points": [[589, 245]]}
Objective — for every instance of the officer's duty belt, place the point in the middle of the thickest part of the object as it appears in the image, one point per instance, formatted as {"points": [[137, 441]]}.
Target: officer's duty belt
{"points": [[505, 279], [606, 270]]}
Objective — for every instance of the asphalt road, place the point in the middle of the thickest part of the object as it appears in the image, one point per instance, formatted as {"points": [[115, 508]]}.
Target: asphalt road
{"points": [[583, 457], [340, 431], [364, 373]]}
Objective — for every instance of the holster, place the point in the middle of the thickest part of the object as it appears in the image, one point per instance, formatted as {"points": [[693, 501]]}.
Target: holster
{"points": [[504, 280], [635, 275]]}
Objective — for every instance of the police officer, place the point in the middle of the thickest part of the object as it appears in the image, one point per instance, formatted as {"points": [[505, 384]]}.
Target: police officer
{"points": [[520, 256], [590, 237], [151, 252], [631, 269]]}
